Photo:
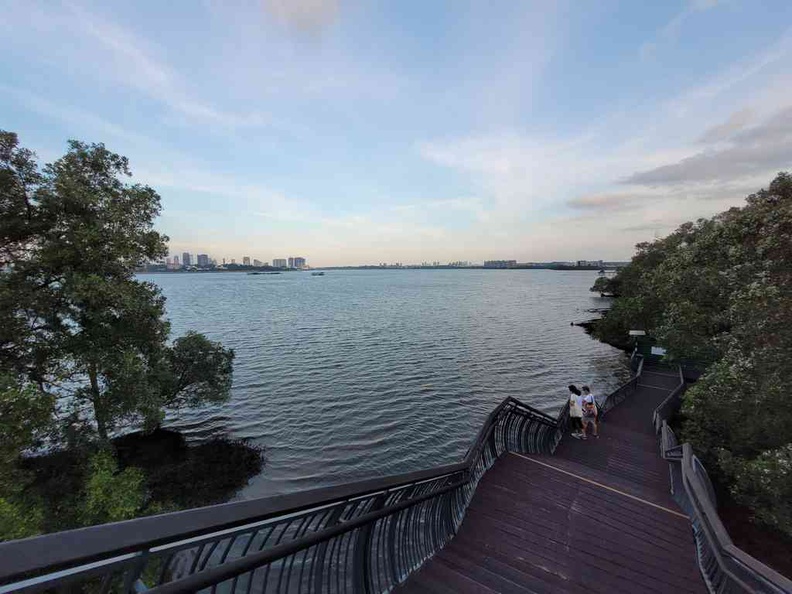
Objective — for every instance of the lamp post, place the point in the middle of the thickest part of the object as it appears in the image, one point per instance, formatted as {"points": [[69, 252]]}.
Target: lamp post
{"points": [[635, 334]]}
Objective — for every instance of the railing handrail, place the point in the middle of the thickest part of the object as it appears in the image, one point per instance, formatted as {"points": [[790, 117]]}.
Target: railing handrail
{"points": [[220, 573], [25, 557], [716, 532], [703, 512], [20, 559]]}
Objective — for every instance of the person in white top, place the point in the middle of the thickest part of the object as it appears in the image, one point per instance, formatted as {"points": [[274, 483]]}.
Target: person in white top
{"points": [[576, 412], [590, 412]]}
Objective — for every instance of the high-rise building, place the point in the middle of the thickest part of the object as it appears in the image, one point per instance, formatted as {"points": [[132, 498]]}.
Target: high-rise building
{"points": [[291, 261], [257, 262], [203, 260], [233, 260], [246, 260], [186, 259], [299, 262], [279, 263]]}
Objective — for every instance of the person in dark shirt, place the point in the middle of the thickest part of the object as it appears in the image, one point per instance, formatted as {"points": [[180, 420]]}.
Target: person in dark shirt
{"points": [[576, 412]]}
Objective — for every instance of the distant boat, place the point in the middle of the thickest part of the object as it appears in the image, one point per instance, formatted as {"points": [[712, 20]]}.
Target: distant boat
{"points": [[317, 273], [257, 273]]}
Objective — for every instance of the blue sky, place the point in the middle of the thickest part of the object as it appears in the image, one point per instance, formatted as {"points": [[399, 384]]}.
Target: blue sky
{"points": [[361, 132]]}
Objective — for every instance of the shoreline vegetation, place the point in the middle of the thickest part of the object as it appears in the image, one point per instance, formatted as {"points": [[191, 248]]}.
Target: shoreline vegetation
{"points": [[81, 486], [86, 354], [716, 294]]}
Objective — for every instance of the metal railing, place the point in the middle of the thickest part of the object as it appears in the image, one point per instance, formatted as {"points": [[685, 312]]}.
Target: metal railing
{"points": [[671, 405], [724, 567], [621, 393], [361, 537]]}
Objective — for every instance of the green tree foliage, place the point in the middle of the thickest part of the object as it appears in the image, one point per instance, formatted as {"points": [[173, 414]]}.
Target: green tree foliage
{"points": [[19, 520], [765, 484], [25, 418], [73, 318], [112, 495], [19, 181], [718, 291]]}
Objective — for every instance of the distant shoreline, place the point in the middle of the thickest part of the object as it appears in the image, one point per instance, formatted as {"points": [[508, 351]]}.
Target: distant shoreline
{"points": [[260, 269]]}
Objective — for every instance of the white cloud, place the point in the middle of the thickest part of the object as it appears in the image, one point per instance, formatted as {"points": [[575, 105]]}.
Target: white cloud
{"points": [[97, 47], [669, 32], [736, 121], [605, 202], [304, 15], [763, 148], [742, 114]]}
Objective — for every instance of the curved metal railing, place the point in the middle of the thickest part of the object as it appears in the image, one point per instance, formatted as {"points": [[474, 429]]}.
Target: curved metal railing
{"points": [[671, 405], [621, 393], [724, 567], [361, 537]]}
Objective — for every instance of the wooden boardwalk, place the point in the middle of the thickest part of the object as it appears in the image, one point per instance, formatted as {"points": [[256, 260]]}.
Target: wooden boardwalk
{"points": [[596, 516]]}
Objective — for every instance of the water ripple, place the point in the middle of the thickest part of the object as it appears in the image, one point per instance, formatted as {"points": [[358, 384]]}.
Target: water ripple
{"points": [[364, 373]]}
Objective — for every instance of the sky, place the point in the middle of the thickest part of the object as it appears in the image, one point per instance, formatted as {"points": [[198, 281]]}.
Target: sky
{"points": [[352, 132]]}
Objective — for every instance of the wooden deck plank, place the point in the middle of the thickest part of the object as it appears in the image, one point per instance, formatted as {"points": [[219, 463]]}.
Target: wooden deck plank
{"points": [[559, 493], [490, 577], [596, 516], [579, 570], [438, 577], [546, 547], [561, 540], [517, 565]]}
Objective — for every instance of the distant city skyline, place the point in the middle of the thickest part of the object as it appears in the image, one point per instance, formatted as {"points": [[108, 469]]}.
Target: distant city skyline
{"points": [[357, 133], [300, 262], [291, 261]]}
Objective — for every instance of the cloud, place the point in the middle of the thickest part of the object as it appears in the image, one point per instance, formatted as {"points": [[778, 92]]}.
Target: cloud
{"points": [[741, 73], [703, 4], [92, 41], [652, 213], [304, 15], [762, 148], [736, 121], [520, 172], [71, 115], [605, 202], [669, 32]]}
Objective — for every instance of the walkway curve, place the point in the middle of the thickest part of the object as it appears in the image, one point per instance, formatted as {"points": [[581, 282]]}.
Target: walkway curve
{"points": [[596, 516]]}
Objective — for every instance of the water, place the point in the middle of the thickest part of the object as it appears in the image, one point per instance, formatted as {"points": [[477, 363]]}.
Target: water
{"points": [[363, 373]]}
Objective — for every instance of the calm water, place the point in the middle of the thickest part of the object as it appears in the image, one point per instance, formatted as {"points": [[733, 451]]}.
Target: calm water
{"points": [[363, 373]]}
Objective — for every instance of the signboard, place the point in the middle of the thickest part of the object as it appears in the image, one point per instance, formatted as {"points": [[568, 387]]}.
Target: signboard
{"points": [[658, 351]]}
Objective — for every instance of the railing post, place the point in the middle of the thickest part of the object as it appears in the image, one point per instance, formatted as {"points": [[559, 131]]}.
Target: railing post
{"points": [[321, 553], [361, 561], [522, 439], [134, 572]]}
